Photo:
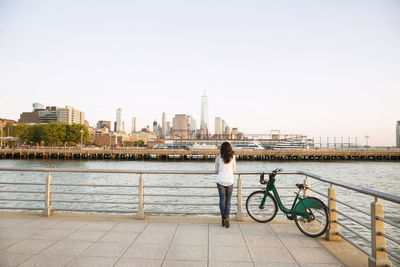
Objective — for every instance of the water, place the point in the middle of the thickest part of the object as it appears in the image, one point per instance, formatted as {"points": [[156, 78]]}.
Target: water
{"points": [[380, 176]]}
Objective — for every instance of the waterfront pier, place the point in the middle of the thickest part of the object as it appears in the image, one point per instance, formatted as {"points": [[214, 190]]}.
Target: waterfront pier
{"points": [[203, 155]]}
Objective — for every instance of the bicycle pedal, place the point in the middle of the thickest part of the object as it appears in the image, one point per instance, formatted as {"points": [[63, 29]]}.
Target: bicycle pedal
{"points": [[290, 217]]}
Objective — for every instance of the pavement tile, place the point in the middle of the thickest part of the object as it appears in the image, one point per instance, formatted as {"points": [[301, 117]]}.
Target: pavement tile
{"points": [[127, 227], [322, 265], [85, 261], [98, 226], [192, 228], [272, 254], [47, 260], [69, 224], [85, 235], [170, 263], [276, 264], [106, 249], [15, 233], [29, 246], [40, 224], [285, 229], [119, 237], [313, 255], [52, 234], [227, 240], [154, 238], [230, 264], [229, 254], [300, 241], [256, 229], [125, 262], [218, 229], [12, 259], [6, 242], [146, 251], [186, 252], [65, 247], [262, 241], [192, 238], [161, 228]]}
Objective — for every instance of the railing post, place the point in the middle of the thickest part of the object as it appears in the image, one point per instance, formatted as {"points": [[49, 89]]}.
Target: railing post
{"points": [[47, 201], [333, 230], [307, 192], [239, 214], [378, 242], [140, 212]]}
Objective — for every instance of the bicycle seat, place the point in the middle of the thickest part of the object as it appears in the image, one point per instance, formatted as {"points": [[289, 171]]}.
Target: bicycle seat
{"points": [[302, 186]]}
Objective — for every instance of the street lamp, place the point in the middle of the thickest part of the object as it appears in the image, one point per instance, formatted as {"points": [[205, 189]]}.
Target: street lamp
{"points": [[81, 131]]}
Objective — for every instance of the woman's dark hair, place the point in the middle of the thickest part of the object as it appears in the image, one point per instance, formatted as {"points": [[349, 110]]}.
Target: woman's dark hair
{"points": [[226, 152]]}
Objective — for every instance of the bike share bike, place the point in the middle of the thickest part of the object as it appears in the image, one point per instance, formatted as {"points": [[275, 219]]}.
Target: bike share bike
{"points": [[310, 214]]}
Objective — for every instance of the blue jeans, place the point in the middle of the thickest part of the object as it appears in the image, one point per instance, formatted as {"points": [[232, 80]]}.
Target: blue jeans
{"points": [[225, 193]]}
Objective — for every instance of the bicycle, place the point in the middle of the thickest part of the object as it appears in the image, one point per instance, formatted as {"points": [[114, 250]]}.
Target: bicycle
{"points": [[310, 214]]}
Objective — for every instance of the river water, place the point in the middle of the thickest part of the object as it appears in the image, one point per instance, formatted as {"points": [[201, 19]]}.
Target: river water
{"points": [[380, 176]]}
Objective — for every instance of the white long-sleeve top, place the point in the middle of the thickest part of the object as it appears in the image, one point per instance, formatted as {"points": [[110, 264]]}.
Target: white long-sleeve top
{"points": [[225, 170]]}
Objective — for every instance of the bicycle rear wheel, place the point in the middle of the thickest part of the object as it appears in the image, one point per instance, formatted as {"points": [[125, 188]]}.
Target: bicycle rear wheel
{"points": [[318, 222], [264, 214]]}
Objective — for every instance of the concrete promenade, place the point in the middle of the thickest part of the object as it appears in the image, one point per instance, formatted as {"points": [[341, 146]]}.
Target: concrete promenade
{"points": [[65, 240]]}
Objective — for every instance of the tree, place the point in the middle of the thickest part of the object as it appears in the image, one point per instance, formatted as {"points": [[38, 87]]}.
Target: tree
{"points": [[54, 133], [138, 143], [73, 133], [22, 132], [36, 133]]}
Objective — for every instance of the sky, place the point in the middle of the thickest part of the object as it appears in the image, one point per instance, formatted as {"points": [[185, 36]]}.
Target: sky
{"points": [[320, 68]]}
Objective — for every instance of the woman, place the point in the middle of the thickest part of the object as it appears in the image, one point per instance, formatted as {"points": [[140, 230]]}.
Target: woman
{"points": [[225, 165]]}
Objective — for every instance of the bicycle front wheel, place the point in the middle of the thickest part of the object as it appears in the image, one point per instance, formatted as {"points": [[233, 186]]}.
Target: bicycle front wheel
{"points": [[265, 213], [318, 220]]}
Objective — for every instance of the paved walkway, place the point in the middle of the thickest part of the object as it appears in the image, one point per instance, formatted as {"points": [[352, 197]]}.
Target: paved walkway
{"points": [[62, 242]]}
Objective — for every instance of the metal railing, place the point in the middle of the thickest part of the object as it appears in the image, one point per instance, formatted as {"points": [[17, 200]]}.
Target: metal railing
{"points": [[158, 196]]}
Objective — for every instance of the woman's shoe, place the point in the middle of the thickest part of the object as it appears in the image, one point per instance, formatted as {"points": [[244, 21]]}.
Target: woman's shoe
{"points": [[227, 223], [223, 222]]}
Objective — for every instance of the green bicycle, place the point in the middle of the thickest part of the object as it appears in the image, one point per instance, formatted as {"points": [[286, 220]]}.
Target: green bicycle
{"points": [[310, 214]]}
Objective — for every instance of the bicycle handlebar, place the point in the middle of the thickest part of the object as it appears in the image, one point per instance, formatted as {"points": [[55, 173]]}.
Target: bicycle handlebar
{"points": [[271, 175]]}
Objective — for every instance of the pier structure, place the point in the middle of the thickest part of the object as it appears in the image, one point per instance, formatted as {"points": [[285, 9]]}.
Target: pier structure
{"points": [[181, 154], [354, 232]]}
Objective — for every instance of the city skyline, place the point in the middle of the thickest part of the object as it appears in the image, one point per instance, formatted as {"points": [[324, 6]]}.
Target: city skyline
{"points": [[322, 69]]}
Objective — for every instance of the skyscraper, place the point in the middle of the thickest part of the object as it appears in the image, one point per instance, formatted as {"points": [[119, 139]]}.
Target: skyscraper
{"points": [[134, 125], [204, 116], [218, 127], [118, 122], [398, 134], [181, 126], [164, 125]]}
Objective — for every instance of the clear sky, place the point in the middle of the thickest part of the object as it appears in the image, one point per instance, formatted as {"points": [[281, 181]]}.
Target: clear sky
{"points": [[322, 68]]}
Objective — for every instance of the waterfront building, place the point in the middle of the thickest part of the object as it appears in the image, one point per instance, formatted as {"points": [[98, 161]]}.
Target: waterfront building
{"points": [[218, 127], [103, 124], [204, 116], [181, 126], [164, 125], [155, 128], [168, 125], [134, 125], [118, 122], [398, 134], [67, 115]]}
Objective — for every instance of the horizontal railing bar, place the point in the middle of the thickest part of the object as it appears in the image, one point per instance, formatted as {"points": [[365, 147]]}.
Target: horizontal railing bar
{"points": [[95, 185], [354, 220], [158, 195], [182, 204], [351, 207], [319, 193], [354, 244], [28, 192], [89, 210], [388, 221], [177, 212], [391, 238], [357, 188], [354, 232], [94, 194], [21, 183], [391, 254], [94, 202], [19, 208], [16, 199], [168, 186]]}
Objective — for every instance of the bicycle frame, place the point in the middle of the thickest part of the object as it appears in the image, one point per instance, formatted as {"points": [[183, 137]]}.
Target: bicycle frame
{"points": [[291, 211]]}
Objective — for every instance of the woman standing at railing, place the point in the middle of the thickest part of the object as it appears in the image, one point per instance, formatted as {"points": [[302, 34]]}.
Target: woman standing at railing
{"points": [[225, 165]]}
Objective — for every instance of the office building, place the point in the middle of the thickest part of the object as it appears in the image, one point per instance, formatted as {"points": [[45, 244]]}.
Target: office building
{"points": [[103, 124], [118, 121], [164, 125], [181, 126], [204, 116], [37, 106], [68, 115], [398, 134], [218, 127], [134, 125]]}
